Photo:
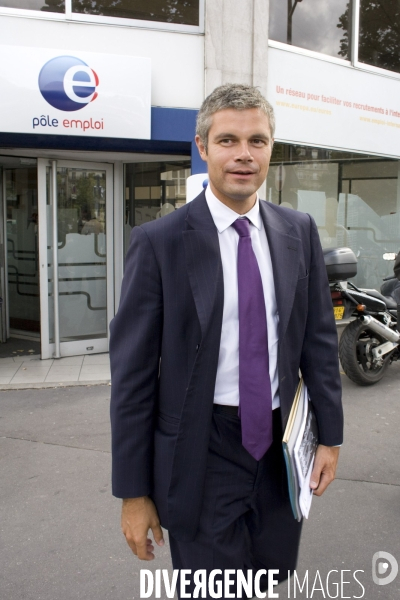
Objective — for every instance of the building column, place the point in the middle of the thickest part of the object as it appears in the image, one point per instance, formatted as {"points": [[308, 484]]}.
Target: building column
{"points": [[236, 43]]}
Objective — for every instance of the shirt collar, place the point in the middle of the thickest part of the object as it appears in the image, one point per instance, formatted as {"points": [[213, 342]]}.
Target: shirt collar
{"points": [[223, 216]]}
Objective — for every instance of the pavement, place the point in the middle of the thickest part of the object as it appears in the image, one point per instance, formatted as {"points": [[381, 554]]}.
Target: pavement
{"points": [[60, 535], [29, 372]]}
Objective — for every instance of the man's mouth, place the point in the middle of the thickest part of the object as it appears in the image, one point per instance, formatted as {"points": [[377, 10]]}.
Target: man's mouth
{"points": [[242, 172]]}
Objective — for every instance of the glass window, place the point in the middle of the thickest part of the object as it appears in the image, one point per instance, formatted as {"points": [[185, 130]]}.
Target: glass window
{"points": [[57, 6], [152, 190], [379, 38], [82, 256], [185, 12], [312, 24], [22, 248], [354, 199]]}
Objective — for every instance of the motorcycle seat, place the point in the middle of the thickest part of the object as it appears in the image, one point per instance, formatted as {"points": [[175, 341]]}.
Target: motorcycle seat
{"points": [[390, 303], [391, 288]]}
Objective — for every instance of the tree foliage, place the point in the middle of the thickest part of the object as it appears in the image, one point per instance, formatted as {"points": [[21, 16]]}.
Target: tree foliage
{"points": [[345, 24], [379, 39], [167, 11]]}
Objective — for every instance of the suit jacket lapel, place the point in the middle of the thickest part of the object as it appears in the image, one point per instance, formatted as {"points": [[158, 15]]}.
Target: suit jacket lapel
{"points": [[203, 261], [284, 247]]}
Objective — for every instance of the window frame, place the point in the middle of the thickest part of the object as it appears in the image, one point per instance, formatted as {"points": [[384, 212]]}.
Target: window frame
{"points": [[310, 53], [354, 58], [354, 62], [69, 17]]}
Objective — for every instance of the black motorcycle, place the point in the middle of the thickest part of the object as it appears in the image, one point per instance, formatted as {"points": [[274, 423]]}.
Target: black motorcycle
{"points": [[370, 342]]}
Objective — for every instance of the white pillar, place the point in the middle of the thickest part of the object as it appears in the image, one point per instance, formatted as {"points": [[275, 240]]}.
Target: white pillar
{"points": [[236, 43]]}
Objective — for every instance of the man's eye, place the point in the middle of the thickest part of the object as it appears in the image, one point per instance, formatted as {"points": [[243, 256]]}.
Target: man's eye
{"points": [[258, 142], [227, 141]]}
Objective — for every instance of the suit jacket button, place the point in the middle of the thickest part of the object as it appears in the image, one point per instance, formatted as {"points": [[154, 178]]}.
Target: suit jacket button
{"points": [[197, 347]]}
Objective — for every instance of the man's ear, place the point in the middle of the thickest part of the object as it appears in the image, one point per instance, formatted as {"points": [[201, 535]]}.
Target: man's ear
{"points": [[201, 148]]}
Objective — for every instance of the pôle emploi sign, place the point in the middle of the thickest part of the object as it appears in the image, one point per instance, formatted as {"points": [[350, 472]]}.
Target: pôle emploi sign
{"points": [[64, 92]]}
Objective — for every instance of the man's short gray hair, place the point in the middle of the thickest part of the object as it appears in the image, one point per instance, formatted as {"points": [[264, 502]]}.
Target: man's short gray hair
{"points": [[231, 95]]}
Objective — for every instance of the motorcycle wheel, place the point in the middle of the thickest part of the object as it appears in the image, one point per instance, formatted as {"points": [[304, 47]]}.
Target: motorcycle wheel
{"points": [[355, 353]]}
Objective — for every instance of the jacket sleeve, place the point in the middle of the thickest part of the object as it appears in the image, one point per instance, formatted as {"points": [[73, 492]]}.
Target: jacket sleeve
{"points": [[319, 358], [135, 342]]}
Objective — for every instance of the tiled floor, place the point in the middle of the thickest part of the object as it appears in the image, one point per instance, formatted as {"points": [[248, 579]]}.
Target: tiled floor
{"points": [[30, 371]]}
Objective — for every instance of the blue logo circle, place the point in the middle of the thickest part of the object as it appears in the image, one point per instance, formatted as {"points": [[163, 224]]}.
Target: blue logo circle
{"points": [[68, 83]]}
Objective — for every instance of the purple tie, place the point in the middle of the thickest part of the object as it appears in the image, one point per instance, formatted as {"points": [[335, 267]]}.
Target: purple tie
{"points": [[255, 398]]}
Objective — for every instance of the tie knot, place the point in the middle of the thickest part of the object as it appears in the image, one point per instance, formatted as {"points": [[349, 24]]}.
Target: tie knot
{"points": [[242, 226]]}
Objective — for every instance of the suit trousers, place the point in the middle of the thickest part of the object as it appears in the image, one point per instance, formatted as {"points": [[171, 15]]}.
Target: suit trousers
{"points": [[246, 520]]}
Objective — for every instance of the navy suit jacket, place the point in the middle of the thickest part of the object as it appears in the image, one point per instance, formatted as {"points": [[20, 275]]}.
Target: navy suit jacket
{"points": [[164, 350]]}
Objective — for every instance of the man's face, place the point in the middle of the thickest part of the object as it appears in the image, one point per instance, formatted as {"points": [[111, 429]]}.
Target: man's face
{"points": [[238, 155]]}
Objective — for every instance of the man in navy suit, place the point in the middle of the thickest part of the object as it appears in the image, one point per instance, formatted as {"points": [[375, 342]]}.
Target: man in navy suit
{"points": [[185, 387]]}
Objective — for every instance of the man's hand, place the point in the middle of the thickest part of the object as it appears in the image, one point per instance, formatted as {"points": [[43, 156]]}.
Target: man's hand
{"points": [[137, 517], [324, 470]]}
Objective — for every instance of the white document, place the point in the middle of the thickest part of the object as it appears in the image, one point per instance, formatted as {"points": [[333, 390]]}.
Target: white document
{"points": [[306, 494], [304, 453]]}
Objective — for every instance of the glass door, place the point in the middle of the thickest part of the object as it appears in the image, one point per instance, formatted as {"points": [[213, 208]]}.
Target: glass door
{"points": [[76, 260], [20, 271]]}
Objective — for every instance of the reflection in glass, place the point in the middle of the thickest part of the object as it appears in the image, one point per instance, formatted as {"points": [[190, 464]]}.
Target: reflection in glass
{"points": [[166, 11], [22, 248], [354, 199], [81, 206], [57, 6], [310, 24], [152, 190], [379, 40]]}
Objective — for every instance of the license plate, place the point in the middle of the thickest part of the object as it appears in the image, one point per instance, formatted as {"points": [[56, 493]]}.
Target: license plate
{"points": [[338, 312]]}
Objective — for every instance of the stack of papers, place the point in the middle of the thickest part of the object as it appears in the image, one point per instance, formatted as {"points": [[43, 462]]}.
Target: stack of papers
{"points": [[300, 443]]}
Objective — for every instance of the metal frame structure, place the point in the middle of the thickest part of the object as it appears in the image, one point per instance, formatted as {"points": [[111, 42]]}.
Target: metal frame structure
{"points": [[57, 348], [53, 202]]}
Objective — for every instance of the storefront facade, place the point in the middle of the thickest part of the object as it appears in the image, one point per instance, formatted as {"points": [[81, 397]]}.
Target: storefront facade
{"points": [[76, 177], [334, 80], [97, 126]]}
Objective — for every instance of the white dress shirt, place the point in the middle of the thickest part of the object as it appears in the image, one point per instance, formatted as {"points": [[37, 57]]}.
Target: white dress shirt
{"points": [[227, 382]]}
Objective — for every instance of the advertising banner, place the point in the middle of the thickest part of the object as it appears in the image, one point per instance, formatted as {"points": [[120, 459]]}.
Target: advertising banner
{"points": [[336, 106], [64, 92]]}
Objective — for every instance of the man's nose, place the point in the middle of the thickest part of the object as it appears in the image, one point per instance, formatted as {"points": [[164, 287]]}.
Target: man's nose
{"points": [[244, 152]]}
